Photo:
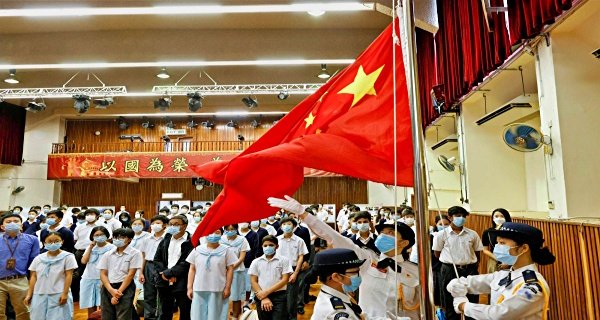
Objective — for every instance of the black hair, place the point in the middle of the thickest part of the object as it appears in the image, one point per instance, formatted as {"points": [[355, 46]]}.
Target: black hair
{"points": [[235, 226], [123, 232], [99, 228], [407, 211], [437, 218], [294, 222], [175, 205], [363, 215], [181, 217], [185, 206], [164, 209], [164, 219], [84, 208], [36, 208], [139, 219], [270, 238], [20, 208], [457, 210], [208, 204], [125, 223], [407, 234], [47, 205], [92, 210], [109, 209], [354, 208], [504, 212], [32, 210], [80, 215], [352, 216], [75, 210], [57, 213], [53, 233], [9, 214]]}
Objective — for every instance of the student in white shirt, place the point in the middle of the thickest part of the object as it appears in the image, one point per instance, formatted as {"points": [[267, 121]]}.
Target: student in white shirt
{"points": [[158, 225], [210, 277], [109, 221], [49, 295], [293, 248], [117, 269], [265, 225], [90, 285], [194, 222], [269, 275], [137, 225], [240, 247]]}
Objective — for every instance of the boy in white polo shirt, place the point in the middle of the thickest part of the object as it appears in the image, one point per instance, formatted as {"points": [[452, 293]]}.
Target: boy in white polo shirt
{"points": [[117, 269], [269, 275], [293, 248]]}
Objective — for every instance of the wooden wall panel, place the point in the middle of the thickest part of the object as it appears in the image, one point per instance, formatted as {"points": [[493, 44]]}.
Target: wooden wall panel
{"points": [[147, 192]]}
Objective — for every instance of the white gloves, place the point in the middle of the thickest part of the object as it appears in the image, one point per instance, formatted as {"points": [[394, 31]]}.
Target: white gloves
{"points": [[289, 204], [458, 287], [457, 302]]}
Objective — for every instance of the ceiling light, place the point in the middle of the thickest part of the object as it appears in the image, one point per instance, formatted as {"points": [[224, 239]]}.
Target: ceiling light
{"points": [[102, 103], [163, 74], [192, 124], [323, 74], [163, 103], [194, 101], [169, 123], [232, 124], [187, 10], [12, 77], [34, 106], [82, 103], [123, 125], [250, 102], [146, 124], [316, 13], [208, 124], [283, 95]]}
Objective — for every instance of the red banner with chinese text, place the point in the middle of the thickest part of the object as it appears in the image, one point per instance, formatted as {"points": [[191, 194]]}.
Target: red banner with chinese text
{"points": [[138, 165]]}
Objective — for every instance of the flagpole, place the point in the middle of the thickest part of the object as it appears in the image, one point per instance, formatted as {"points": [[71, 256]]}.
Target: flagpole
{"points": [[420, 180]]}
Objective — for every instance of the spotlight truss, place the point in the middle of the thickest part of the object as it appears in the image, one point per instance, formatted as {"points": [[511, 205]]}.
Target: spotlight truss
{"points": [[239, 89], [34, 106], [63, 92]]}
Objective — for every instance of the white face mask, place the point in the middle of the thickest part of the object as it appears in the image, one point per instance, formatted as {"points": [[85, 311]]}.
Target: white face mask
{"points": [[409, 221], [90, 218], [243, 225], [184, 211], [137, 215], [156, 227], [499, 221]]}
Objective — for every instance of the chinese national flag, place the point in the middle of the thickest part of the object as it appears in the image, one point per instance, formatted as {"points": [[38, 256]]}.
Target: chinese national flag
{"points": [[346, 127]]}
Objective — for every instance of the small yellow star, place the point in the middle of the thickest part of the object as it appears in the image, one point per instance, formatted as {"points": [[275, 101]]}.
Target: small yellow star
{"points": [[318, 131], [362, 85], [309, 120]]}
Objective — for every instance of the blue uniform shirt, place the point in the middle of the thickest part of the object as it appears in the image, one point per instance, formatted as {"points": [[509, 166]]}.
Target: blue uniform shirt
{"points": [[27, 249]]}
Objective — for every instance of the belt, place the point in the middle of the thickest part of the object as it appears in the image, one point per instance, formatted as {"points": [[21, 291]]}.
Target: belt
{"points": [[13, 277], [464, 266]]}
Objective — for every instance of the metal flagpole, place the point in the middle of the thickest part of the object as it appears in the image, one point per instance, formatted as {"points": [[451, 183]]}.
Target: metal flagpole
{"points": [[420, 181]]}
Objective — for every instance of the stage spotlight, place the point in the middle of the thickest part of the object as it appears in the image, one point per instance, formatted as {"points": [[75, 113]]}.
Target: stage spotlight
{"points": [[162, 103], [232, 124], [123, 125], [208, 124], [250, 102], [35, 106], [163, 74], [240, 137], [82, 103], [283, 95], [323, 74], [192, 124], [194, 101], [102, 103], [12, 77], [169, 123], [146, 124]]}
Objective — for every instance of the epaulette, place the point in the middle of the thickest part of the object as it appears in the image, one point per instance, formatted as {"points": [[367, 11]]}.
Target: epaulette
{"points": [[337, 303]]}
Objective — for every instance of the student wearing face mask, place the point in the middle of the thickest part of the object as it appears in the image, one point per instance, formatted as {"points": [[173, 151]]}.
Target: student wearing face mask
{"points": [[352, 226], [51, 273], [19, 210], [139, 214], [90, 285], [339, 271], [457, 245], [488, 238], [441, 223], [240, 247], [174, 210], [518, 293], [164, 211], [194, 222], [32, 224], [364, 238], [254, 237], [185, 210], [53, 220], [273, 223], [158, 225], [109, 221], [125, 219]]}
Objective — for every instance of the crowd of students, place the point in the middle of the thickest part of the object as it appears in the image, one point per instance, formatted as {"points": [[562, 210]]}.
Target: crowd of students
{"points": [[122, 266]]}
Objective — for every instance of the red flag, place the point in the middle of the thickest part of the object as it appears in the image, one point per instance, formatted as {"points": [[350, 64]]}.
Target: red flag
{"points": [[346, 127]]}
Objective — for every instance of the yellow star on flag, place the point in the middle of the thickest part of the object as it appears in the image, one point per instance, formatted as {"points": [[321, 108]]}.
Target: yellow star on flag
{"points": [[309, 120], [318, 131], [362, 85]]}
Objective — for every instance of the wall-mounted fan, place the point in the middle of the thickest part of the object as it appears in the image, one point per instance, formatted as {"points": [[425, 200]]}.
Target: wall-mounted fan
{"points": [[449, 164], [18, 189], [525, 138]]}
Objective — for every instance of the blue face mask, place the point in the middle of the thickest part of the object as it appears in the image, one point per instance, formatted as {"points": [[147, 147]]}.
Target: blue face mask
{"points": [[269, 250], [44, 226], [119, 243], [264, 221], [355, 282], [286, 228], [100, 239], [363, 227], [80, 221], [173, 229], [502, 253], [385, 243], [231, 233], [213, 238], [53, 246], [254, 224], [353, 226], [12, 227], [459, 221], [441, 228], [197, 219], [137, 228], [51, 221]]}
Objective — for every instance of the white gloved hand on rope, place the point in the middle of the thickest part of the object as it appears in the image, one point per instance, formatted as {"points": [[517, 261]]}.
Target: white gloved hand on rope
{"points": [[458, 287], [288, 204]]}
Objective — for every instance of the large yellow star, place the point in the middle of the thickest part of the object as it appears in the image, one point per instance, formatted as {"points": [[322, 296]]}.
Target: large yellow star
{"points": [[362, 85], [309, 120]]}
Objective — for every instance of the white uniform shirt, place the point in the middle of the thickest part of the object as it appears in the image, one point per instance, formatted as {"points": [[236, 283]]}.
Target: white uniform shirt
{"points": [[118, 265], [50, 272], [112, 224], [175, 250], [151, 245], [269, 272], [515, 301], [324, 308], [379, 288], [270, 230], [91, 268], [192, 226], [291, 248], [81, 235], [139, 240], [457, 247], [211, 276], [242, 245]]}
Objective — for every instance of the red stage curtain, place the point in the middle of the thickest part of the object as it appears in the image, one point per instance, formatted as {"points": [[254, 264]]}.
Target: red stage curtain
{"points": [[427, 74], [12, 133], [526, 18]]}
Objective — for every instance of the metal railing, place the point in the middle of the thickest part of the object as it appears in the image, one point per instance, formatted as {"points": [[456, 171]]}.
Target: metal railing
{"points": [[138, 146]]}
